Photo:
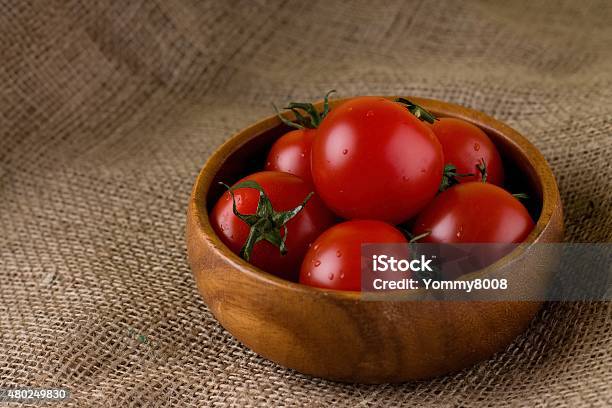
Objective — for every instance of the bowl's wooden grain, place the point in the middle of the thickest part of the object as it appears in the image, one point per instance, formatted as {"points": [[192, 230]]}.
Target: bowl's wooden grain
{"points": [[339, 335]]}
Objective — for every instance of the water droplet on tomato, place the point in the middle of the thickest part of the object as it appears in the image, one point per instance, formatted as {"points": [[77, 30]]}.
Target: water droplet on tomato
{"points": [[302, 154], [309, 274], [370, 113], [342, 276], [317, 263], [476, 146], [423, 171], [405, 178], [350, 109], [460, 231], [338, 254], [316, 247], [345, 151], [331, 276], [268, 164]]}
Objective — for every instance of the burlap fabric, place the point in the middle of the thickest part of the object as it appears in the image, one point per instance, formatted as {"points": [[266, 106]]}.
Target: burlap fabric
{"points": [[109, 109]]}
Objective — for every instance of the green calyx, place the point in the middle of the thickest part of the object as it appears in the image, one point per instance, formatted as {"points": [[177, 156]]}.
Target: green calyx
{"points": [[450, 177], [266, 224], [521, 196], [482, 169], [417, 110], [416, 238], [306, 115], [412, 239]]}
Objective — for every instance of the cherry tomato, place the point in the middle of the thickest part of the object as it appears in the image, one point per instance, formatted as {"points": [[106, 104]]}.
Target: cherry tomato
{"points": [[372, 159], [285, 192], [291, 153], [466, 146], [474, 212], [334, 259]]}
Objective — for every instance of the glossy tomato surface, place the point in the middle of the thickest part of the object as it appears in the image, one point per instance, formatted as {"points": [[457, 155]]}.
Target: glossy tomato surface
{"points": [[372, 159], [474, 212], [291, 153], [285, 192], [334, 259], [465, 146]]}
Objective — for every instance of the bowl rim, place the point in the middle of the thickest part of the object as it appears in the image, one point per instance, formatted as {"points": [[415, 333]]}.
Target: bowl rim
{"points": [[544, 176]]}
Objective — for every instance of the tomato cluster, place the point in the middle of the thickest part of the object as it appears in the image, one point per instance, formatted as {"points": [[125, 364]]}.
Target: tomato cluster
{"points": [[371, 170]]}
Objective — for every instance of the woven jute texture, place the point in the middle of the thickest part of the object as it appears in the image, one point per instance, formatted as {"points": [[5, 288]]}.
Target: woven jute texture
{"points": [[109, 109]]}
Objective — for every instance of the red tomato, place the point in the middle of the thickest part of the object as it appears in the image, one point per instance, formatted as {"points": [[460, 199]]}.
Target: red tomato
{"points": [[373, 159], [285, 191], [291, 153], [334, 260], [465, 146], [474, 212]]}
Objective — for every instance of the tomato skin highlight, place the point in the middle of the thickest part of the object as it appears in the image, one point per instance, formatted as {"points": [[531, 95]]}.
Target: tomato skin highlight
{"points": [[372, 159], [464, 146], [474, 212], [285, 192], [334, 259], [291, 154]]}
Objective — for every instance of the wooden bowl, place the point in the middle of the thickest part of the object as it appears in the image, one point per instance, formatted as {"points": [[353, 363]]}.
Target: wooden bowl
{"points": [[342, 335]]}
